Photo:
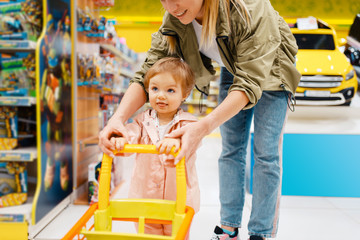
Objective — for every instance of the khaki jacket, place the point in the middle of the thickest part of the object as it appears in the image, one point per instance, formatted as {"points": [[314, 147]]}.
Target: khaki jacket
{"points": [[154, 176], [261, 57]]}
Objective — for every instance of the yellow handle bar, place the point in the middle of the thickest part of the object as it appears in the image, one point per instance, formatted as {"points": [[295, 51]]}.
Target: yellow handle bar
{"points": [[105, 175]]}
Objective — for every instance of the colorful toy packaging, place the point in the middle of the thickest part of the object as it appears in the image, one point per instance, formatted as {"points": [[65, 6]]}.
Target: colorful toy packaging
{"points": [[17, 127], [20, 20], [8, 128], [13, 183], [93, 183], [17, 74], [93, 179]]}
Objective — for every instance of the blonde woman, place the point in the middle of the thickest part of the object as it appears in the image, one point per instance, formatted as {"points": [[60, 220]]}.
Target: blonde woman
{"points": [[256, 52]]}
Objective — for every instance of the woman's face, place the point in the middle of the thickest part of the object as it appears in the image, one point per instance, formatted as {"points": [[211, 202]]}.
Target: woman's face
{"points": [[184, 10]]}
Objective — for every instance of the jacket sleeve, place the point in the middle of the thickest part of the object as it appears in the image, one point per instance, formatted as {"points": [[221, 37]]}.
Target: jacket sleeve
{"points": [[256, 49]]}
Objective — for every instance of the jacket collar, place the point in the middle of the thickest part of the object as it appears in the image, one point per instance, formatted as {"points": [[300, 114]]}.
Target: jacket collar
{"points": [[150, 120], [151, 115]]}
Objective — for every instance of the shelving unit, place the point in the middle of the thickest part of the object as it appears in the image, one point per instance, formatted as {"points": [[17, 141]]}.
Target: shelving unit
{"points": [[68, 115], [18, 46], [46, 68], [16, 49], [199, 104], [26, 154], [97, 99], [17, 101]]}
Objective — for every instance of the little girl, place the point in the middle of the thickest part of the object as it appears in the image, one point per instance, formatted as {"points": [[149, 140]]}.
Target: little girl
{"points": [[168, 83]]}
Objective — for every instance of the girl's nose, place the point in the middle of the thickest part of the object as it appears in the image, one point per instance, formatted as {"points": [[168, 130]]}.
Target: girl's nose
{"points": [[161, 95]]}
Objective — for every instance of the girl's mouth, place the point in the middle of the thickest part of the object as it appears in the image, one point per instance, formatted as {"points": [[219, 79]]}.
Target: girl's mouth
{"points": [[161, 104]]}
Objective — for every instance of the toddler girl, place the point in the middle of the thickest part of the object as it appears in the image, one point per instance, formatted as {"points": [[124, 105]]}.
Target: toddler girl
{"points": [[168, 83]]}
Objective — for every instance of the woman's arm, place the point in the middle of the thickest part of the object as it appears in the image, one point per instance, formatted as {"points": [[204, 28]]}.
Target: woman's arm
{"points": [[192, 134], [133, 99]]}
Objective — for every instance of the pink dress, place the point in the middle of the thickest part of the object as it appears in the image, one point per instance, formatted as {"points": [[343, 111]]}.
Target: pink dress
{"points": [[154, 176]]}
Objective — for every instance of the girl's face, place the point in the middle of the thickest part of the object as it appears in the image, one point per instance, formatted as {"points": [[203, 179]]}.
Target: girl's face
{"points": [[184, 10], [165, 95]]}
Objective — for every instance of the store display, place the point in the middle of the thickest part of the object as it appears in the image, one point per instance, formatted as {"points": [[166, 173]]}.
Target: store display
{"points": [[352, 50], [54, 125], [8, 128], [93, 179], [17, 75], [13, 183], [327, 76], [21, 22]]}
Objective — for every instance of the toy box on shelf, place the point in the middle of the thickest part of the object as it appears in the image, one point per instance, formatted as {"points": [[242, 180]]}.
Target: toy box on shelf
{"points": [[17, 74], [93, 178], [17, 128], [8, 128], [13, 183], [21, 23]]}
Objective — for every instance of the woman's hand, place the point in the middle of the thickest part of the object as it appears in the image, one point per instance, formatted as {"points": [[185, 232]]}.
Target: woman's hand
{"points": [[191, 136], [133, 99], [112, 129]]}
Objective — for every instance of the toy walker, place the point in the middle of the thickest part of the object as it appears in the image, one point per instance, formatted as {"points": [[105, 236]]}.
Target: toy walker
{"points": [[135, 210]]}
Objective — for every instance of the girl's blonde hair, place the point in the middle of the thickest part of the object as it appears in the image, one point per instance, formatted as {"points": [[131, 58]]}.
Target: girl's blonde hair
{"points": [[211, 10], [178, 68]]}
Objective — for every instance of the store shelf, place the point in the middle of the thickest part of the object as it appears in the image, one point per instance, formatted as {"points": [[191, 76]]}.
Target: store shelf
{"points": [[126, 73], [117, 53], [13, 50], [353, 42], [17, 101], [27, 154], [24, 209], [211, 104], [11, 46]]}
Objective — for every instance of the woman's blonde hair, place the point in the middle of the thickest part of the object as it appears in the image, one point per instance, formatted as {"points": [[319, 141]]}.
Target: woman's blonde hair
{"points": [[211, 10], [178, 69]]}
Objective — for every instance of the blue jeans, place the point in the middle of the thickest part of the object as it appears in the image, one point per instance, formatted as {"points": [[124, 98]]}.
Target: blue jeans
{"points": [[269, 118]]}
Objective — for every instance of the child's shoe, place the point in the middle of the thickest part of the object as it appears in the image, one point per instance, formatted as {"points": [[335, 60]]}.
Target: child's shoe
{"points": [[253, 237], [220, 235]]}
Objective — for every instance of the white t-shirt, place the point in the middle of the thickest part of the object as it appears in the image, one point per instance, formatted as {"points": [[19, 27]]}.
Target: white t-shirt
{"points": [[212, 51], [162, 130]]}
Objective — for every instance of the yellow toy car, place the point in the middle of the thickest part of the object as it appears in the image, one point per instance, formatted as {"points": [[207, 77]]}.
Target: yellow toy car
{"points": [[328, 78]]}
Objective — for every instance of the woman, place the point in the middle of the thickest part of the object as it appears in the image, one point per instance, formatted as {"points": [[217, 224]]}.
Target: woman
{"points": [[257, 51]]}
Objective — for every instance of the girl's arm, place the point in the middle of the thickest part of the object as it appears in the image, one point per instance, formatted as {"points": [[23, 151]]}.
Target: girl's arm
{"points": [[133, 99], [192, 134]]}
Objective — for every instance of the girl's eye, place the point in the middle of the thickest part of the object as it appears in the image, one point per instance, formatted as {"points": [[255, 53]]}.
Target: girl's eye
{"points": [[171, 90], [154, 89]]}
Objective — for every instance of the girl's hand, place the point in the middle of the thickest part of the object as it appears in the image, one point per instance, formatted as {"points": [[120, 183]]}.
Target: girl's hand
{"points": [[118, 142], [191, 136], [111, 130], [165, 145]]}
